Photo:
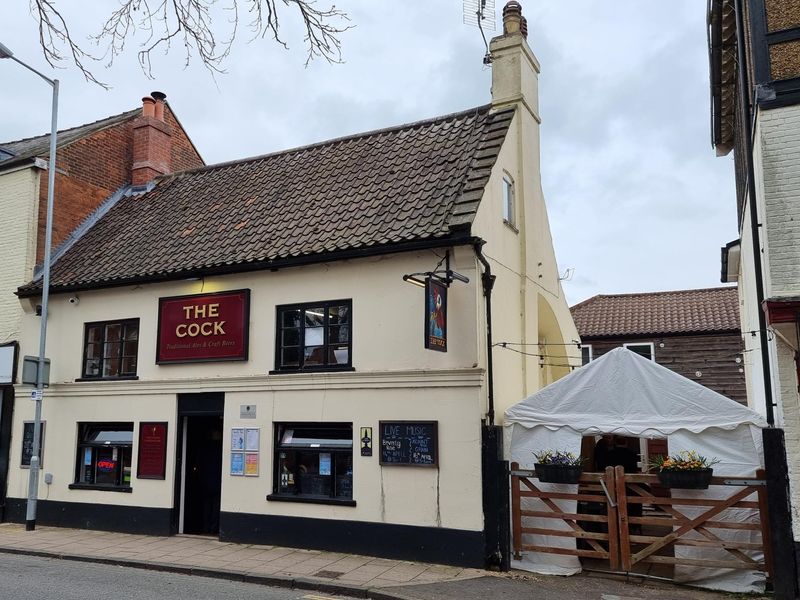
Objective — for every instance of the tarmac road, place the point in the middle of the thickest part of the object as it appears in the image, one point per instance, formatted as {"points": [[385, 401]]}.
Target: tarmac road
{"points": [[39, 578]]}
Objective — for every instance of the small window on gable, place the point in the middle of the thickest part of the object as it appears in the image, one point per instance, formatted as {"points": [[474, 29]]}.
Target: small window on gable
{"points": [[643, 349], [509, 204]]}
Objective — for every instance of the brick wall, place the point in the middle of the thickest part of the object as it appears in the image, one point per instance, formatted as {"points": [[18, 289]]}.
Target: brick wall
{"points": [[92, 168], [780, 157], [713, 355]]}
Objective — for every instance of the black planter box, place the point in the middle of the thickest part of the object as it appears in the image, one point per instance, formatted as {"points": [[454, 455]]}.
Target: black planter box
{"points": [[686, 480], [558, 473]]}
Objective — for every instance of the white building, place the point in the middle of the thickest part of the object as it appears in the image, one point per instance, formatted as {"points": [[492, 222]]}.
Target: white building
{"points": [[237, 350]]}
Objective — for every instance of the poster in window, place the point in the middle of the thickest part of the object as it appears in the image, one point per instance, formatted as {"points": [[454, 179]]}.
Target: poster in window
{"points": [[435, 315], [251, 464], [152, 462], [324, 463], [237, 463], [237, 439], [27, 444], [251, 439]]}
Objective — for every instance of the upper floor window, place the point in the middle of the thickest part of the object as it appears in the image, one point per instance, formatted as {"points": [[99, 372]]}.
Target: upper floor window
{"points": [[586, 354], [643, 349], [110, 349], [314, 336], [509, 203]]}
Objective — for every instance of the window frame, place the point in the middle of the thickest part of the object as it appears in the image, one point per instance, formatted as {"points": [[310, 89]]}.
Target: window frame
{"points": [[301, 368], [277, 447], [122, 322], [591, 354], [510, 201], [650, 344], [82, 444]]}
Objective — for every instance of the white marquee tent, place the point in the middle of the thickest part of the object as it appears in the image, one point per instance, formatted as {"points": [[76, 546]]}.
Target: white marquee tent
{"points": [[626, 394]]}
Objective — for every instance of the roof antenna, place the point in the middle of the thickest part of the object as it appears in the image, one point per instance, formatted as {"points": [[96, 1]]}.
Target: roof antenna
{"points": [[480, 13]]}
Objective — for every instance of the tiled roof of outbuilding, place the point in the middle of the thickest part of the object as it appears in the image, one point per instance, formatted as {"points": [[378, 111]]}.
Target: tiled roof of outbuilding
{"points": [[414, 182], [684, 311]]}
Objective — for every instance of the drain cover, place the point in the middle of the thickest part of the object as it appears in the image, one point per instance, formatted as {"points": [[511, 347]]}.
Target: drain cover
{"points": [[329, 574]]}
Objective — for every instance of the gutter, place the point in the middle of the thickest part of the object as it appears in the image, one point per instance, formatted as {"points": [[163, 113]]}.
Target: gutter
{"points": [[459, 239], [487, 280]]}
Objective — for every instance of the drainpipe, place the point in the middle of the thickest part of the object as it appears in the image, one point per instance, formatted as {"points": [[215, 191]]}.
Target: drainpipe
{"points": [[747, 134], [488, 283]]}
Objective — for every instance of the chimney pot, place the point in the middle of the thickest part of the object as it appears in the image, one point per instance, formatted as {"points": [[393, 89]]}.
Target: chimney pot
{"points": [[148, 107], [159, 98], [512, 18]]}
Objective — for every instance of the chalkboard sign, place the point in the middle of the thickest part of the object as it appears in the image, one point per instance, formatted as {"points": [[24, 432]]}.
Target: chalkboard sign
{"points": [[27, 443], [409, 443]]}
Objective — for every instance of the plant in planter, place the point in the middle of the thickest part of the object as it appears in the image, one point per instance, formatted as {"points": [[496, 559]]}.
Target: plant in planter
{"points": [[686, 470], [557, 466]]}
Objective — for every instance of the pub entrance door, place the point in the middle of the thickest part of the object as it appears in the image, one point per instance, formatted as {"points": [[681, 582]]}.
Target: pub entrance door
{"points": [[200, 463]]}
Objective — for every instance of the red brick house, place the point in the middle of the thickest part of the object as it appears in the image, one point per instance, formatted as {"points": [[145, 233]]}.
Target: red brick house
{"points": [[695, 333]]}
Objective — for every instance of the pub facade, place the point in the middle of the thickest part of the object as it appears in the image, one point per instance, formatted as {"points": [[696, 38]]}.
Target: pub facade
{"points": [[294, 349]]}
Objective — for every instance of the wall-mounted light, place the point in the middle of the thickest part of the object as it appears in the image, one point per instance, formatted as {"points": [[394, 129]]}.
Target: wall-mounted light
{"points": [[413, 279]]}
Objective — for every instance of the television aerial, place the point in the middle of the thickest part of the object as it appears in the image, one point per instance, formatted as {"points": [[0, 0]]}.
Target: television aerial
{"points": [[481, 14]]}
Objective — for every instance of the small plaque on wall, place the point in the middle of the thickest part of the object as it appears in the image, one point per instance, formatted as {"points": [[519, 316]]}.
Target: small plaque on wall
{"points": [[152, 461]]}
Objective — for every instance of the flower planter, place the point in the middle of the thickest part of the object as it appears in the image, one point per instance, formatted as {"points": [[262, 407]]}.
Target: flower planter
{"points": [[687, 480], [558, 473]]}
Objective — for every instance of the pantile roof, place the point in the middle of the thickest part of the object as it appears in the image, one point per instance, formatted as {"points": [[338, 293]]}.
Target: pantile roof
{"points": [[684, 311], [420, 181], [32, 147]]}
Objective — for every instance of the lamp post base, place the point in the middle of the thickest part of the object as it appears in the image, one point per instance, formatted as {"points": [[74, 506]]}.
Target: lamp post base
{"points": [[30, 525]]}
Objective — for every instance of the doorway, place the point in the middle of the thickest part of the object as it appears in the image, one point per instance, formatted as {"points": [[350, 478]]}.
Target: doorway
{"points": [[199, 476]]}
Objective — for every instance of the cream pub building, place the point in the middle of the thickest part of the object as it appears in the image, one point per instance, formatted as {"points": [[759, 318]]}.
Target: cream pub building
{"points": [[238, 350]]}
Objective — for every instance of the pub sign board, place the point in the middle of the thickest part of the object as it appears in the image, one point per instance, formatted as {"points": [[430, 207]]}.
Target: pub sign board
{"points": [[203, 327], [435, 315], [409, 443], [152, 460]]}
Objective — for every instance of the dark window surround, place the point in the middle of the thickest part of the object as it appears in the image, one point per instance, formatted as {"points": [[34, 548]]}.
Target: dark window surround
{"points": [[276, 495], [301, 368], [121, 376], [83, 429]]}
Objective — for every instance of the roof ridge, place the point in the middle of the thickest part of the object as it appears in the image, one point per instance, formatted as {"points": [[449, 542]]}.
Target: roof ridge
{"points": [[661, 293], [68, 129], [332, 141]]}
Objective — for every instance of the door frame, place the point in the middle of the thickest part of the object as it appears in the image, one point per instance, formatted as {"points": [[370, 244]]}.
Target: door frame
{"points": [[207, 404]]}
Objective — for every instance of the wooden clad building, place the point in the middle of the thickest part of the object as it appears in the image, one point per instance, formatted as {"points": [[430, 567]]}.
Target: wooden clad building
{"points": [[696, 333]]}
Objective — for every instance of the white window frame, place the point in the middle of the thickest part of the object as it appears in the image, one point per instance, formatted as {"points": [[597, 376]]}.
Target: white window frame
{"points": [[510, 201], [651, 344], [591, 353]]}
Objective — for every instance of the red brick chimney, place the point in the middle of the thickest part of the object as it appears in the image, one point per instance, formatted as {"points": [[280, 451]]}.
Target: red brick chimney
{"points": [[152, 141]]}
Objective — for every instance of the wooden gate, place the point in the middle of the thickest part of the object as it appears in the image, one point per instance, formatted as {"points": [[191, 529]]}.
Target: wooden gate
{"points": [[627, 536]]}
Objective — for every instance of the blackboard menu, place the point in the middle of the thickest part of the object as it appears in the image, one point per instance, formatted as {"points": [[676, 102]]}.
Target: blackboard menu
{"points": [[27, 443], [409, 443]]}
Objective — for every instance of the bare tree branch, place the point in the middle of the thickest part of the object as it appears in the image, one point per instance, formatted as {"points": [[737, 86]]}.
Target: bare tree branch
{"points": [[191, 23]]}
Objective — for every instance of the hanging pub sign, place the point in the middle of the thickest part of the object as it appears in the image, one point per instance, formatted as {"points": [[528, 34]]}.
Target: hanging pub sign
{"points": [[435, 315], [203, 328]]}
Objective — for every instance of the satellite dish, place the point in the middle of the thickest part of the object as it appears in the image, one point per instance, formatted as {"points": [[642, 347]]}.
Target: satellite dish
{"points": [[480, 14]]}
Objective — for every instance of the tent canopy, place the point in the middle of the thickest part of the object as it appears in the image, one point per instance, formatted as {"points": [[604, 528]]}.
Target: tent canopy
{"points": [[627, 394]]}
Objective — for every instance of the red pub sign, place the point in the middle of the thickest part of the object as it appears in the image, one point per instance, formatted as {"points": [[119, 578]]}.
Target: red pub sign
{"points": [[204, 327]]}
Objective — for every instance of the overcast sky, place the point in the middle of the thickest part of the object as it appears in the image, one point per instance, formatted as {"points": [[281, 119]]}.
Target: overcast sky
{"points": [[636, 197]]}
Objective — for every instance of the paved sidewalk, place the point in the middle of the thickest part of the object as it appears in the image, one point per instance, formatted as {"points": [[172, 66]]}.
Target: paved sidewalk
{"points": [[331, 572]]}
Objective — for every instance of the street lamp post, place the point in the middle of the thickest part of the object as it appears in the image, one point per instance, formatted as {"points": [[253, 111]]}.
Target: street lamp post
{"points": [[33, 475]]}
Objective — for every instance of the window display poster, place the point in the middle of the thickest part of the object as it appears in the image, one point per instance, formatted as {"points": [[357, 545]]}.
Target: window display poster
{"points": [[251, 439], [237, 439], [237, 463], [324, 463], [251, 464]]}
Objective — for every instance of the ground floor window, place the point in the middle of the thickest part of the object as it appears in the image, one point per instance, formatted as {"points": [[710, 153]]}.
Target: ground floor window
{"points": [[104, 455], [314, 461]]}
